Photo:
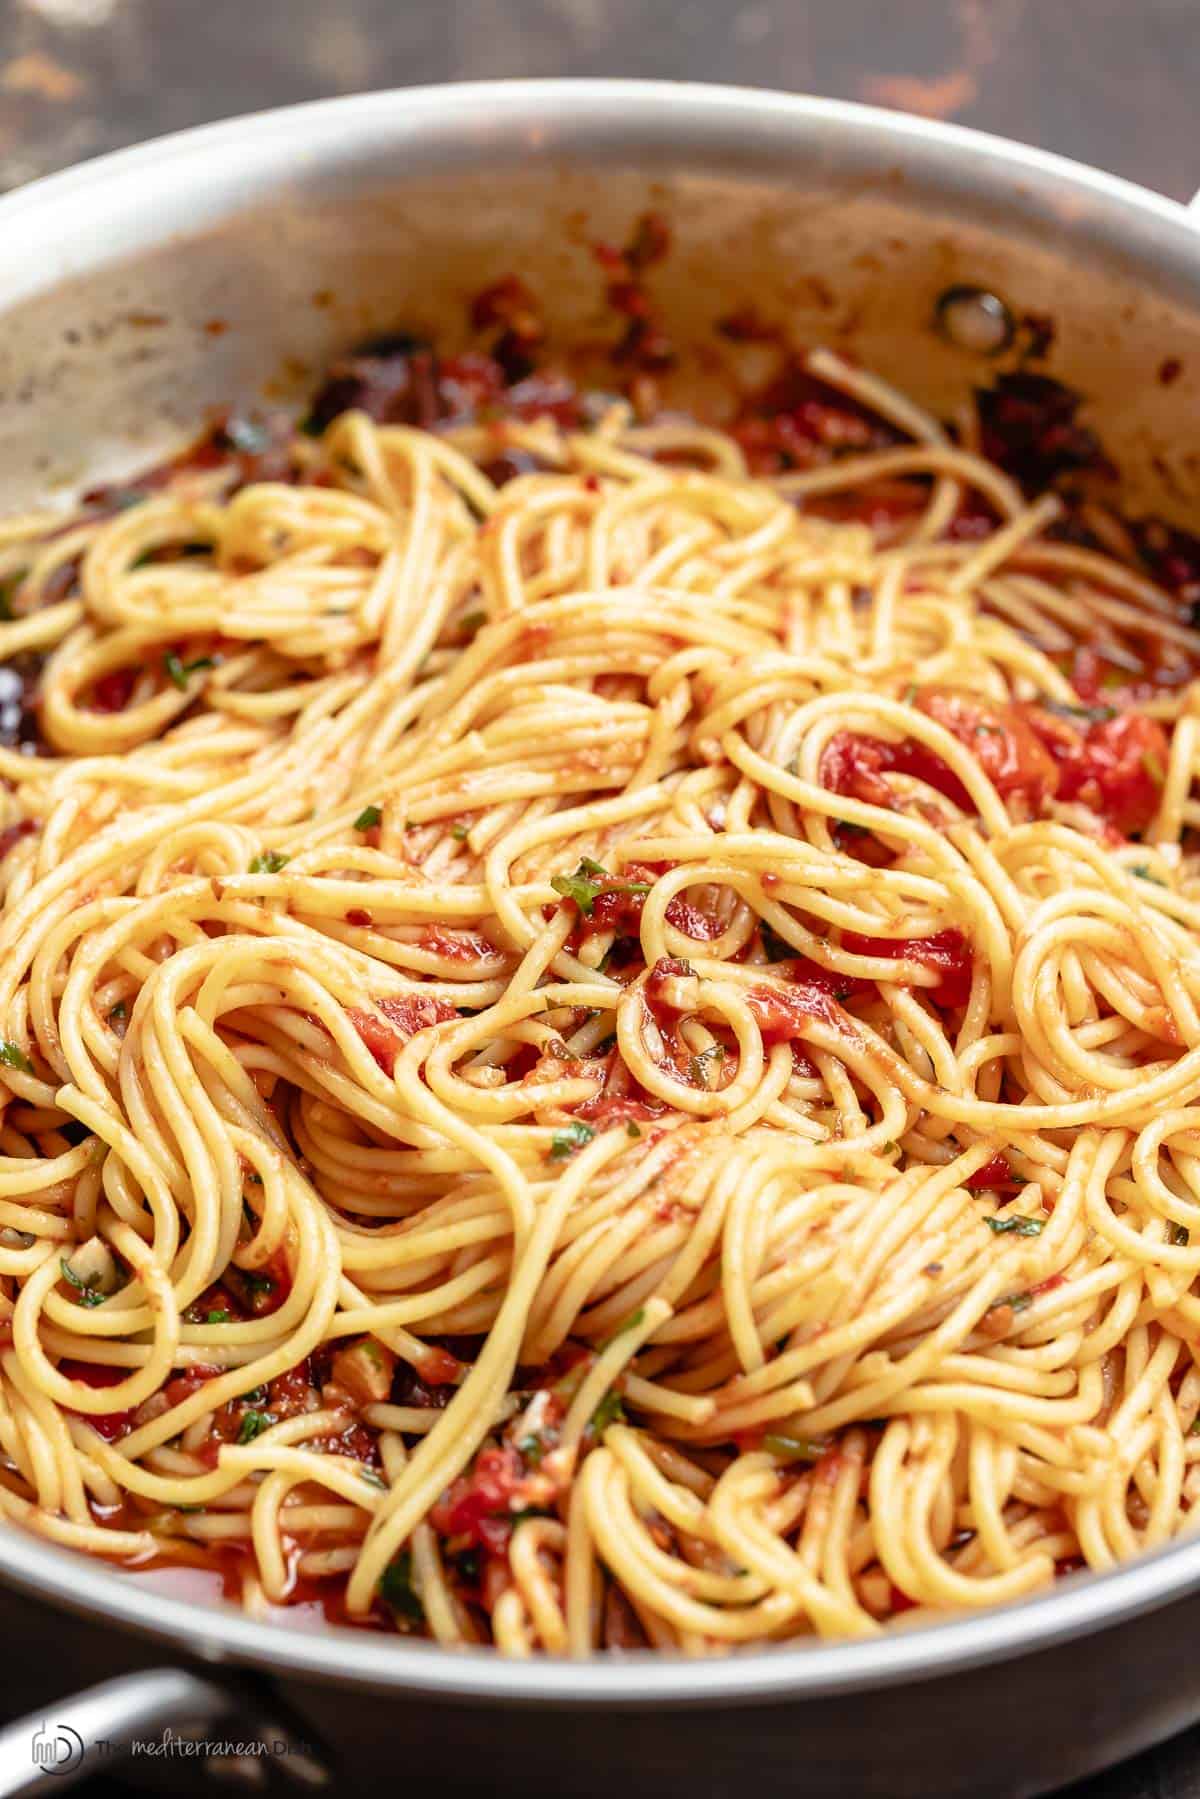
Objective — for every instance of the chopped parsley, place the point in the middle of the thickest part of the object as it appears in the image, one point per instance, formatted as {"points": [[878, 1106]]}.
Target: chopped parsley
{"points": [[564, 1143], [589, 881], [1094, 715], [1142, 871], [88, 1295], [609, 1411], [253, 1425], [707, 1062], [1016, 1227], [1194, 1428], [268, 863], [178, 671], [120, 1010], [13, 1056], [632, 1130], [1016, 1302], [398, 1593], [470, 622], [218, 1317], [1178, 1235], [459, 833], [368, 818]]}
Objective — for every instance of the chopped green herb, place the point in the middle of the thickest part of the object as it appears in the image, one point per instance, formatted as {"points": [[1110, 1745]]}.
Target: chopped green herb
{"points": [[459, 833], [532, 1448], [709, 1060], [368, 818], [88, 1295], [1142, 871], [1016, 1302], [794, 1449], [627, 1324], [13, 1056], [120, 1010], [398, 1593], [1016, 1227], [1194, 1428], [254, 1396], [470, 622], [1095, 715], [178, 671], [218, 1317], [1179, 1235], [632, 1130], [253, 1425], [609, 1411], [588, 882], [268, 863], [577, 887], [564, 1143], [891, 1147]]}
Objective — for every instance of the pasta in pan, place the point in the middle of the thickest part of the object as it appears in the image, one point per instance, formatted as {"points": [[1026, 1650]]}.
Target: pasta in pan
{"points": [[607, 1057]]}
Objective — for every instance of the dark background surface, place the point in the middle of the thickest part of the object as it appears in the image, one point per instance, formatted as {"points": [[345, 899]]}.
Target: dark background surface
{"points": [[1112, 82]]}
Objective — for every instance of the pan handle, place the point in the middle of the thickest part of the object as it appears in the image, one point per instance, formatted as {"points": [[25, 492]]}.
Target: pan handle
{"points": [[151, 1711]]}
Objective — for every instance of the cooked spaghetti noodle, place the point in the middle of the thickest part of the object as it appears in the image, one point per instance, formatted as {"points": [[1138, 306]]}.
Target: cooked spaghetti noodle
{"points": [[610, 1059]]}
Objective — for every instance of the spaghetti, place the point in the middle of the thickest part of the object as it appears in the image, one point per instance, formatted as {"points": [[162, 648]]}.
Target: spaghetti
{"points": [[608, 1059]]}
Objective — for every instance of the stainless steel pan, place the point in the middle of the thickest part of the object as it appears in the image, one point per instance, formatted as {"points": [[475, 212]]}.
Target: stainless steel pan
{"points": [[141, 289]]}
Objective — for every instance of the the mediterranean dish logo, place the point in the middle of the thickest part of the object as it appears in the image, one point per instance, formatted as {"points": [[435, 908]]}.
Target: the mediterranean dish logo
{"points": [[57, 1749]]}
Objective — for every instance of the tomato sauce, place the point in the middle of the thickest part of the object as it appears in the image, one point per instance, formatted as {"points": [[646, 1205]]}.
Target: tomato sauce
{"points": [[947, 954], [404, 1015]]}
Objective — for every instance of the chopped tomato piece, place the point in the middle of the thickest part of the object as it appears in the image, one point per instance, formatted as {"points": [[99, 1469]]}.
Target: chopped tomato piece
{"points": [[1002, 742], [479, 1505], [856, 766], [1116, 768], [994, 1175], [109, 1425]]}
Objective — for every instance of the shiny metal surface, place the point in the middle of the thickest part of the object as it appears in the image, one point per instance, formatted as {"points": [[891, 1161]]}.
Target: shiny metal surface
{"points": [[144, 287]]}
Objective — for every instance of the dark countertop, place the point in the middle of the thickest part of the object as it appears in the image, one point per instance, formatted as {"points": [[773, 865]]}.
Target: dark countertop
{"points": [[1112, 82]]}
